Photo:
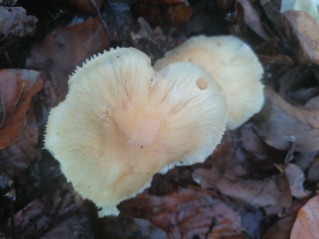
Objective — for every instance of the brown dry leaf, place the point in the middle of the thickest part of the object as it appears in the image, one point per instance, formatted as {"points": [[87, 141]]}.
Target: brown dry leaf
{"points": [[15, 23], [15, 103], [163, 12], [306, 32], [306, 225], [229, 175], [286, 127], [252, 19], [281, 229], [11, 88], [189, 213], [272, 194], [63, 49]]}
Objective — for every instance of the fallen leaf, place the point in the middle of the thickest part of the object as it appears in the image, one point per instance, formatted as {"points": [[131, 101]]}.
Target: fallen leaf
{"points": [[129, 228], [8, 3], [87, 6], [252, 19], [287, 127], [299, 84], [307, 6], [272, 194], [30, 83], [161, 13], [296, 180], [186, 214], [306, 225], [261, 155], [15, 23], [11, 88], [280, 229], [306, 32], [312, 173], [40, 214], [61, 50]]}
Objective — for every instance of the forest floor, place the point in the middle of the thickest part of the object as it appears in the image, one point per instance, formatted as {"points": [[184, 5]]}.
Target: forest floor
{"points": [[261, 181]]}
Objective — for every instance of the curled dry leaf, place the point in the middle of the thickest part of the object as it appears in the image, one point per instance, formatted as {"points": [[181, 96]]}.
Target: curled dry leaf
{"points": [[17, 87], [287, 127], [15, 23], [188, 213], [306, 225], [63, 49], [160, 13], [296, 179], [300, 84]]}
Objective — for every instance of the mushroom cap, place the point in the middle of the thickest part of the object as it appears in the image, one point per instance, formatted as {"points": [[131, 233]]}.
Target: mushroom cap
{"points": [[233, 64], [122, 122]]}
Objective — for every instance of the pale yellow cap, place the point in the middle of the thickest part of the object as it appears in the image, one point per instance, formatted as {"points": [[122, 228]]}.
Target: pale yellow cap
{"points": [[122, 122], [233, 64]]}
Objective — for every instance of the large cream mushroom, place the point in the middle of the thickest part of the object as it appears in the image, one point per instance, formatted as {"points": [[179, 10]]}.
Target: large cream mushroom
{"points": [[233, 64], [122, 122]]}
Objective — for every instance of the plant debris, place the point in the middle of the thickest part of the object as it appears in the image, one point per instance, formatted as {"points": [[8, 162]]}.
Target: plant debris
{"points": [[261, 181]]}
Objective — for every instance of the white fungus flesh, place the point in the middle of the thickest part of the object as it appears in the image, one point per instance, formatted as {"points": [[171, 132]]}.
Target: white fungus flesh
{"points": [[122, 122], [233, 64]]}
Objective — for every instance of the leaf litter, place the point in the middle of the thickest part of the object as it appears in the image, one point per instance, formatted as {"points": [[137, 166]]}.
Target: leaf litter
{"points": [[253, 186]]}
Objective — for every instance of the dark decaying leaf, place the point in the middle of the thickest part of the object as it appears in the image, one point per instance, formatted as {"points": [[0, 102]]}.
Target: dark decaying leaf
{"points": [[296, 180], [186, 214], [312, 174], [299, 84], [41, 214], [8, 3], [252, 19], [153, 41], [63, 49], [15, 23], [17, 87], [129, 228], [160, 13], [86, 6], [287, 127], [281, 229], [262, 156]]}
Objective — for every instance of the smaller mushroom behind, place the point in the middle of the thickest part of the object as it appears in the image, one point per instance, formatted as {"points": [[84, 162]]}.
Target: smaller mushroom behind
{"points": [[233, 64], [122, 122]]}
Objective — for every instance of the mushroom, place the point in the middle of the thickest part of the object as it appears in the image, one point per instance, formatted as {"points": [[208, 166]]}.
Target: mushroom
{"points": [[121, 122], [233, 64]]}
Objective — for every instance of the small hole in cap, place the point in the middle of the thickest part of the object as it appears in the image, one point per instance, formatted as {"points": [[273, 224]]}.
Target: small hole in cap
{"points": [[201, 84]]}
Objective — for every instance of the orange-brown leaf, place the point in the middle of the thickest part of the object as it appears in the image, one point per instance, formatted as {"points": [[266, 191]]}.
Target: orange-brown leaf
{"points": [[14, 124], [306, 225]]}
